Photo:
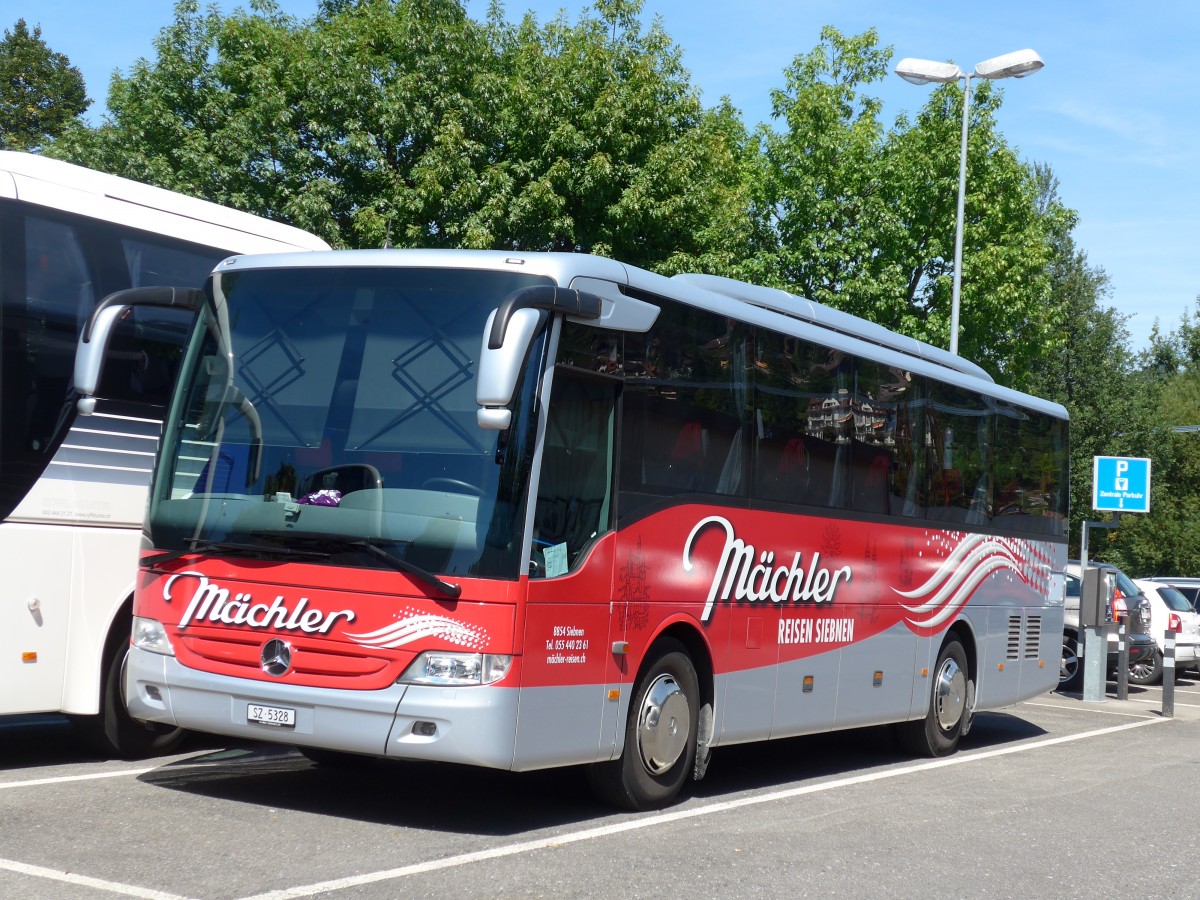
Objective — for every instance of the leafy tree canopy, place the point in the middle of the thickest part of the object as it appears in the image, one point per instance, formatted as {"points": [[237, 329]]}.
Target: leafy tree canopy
{"points": [[41, 93], [864, 218], [407, 121]]}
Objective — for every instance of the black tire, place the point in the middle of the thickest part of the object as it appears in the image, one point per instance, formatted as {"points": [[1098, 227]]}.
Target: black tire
{"points": [[938, 732], [1148, 671], [660, 734], [1070, 669], [113, 732]]}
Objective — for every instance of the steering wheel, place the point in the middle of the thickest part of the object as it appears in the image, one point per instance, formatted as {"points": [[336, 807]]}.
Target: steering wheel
{"points": [[452, 484]]}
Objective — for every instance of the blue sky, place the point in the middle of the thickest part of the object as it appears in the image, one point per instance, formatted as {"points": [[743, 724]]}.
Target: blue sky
{"points": [[1115, 112]]}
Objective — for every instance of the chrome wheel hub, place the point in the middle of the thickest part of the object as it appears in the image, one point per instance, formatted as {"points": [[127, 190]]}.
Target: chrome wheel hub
{"points": [[664, 723], [950, 695]]}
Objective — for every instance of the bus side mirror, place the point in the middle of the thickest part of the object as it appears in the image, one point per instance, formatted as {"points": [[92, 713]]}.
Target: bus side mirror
{"points": [[93, 343], [500, 368], [506, 341]]}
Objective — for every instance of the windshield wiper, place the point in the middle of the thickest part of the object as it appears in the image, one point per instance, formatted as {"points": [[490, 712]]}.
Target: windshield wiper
{"points": [[453, 591], [228, 548]]}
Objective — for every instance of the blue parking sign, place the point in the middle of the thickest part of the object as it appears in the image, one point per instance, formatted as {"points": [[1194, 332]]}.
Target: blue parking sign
{"points": [[1121, 484]]}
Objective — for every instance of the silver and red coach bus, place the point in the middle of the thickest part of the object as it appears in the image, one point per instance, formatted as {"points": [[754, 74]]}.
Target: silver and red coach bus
{"points": [[530, 510]]}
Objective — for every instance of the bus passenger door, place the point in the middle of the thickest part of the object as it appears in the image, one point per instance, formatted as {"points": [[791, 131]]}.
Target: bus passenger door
{"points": [[568, 711]]}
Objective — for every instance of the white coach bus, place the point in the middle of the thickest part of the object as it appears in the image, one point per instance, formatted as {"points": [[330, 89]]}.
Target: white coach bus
{"points": [[73, 493]]}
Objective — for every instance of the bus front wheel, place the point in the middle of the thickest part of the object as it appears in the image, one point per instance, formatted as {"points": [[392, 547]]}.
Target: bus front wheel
{"points": [[660, 735], [949, 709], [114, 733]]}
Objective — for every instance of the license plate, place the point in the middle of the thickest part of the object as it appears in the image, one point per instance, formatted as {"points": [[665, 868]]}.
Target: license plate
{"points": [[279, 716]]}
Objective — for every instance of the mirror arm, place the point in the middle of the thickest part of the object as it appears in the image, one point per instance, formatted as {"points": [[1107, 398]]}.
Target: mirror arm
{"points": [[93, 343], [580, 304], [179, 298]]}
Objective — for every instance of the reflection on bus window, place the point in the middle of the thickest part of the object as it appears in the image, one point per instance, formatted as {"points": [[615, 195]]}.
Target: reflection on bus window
{"points": [[574, 499], [826, 429], [685, 403], [958, 429]]}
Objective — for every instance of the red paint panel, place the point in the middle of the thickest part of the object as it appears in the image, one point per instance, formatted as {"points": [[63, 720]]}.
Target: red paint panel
{"points": [[219, 615], [810, 584], [759, 587], [569, 628]]}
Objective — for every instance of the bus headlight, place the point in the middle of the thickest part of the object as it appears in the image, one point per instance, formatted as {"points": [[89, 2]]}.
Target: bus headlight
{"points": [[149, 634], [456, 669]]}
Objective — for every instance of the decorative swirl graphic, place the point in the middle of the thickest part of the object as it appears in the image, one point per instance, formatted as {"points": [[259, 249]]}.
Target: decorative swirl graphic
{"points": [[974, 559], [415, 626]]}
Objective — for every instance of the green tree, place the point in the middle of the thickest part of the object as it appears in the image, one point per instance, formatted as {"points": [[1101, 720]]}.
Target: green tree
{"points": [[1093, 372], [864, 219], [216, 114], [1177, 351], [41, 94], [1167, 540], [1009, 311], [408, 121], [607, 148], [817, 188]]}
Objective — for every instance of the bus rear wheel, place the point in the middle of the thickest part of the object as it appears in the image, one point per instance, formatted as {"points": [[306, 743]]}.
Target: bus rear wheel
{"points": [[660, 735], [946, 719], [114, 733]]}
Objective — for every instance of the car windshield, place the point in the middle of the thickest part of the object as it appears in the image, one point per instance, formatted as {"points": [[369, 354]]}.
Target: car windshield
{"points": [[333, 410]]}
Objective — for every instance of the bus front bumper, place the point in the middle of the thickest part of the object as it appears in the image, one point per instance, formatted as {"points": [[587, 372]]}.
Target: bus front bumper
{"points": [[473, 725]]}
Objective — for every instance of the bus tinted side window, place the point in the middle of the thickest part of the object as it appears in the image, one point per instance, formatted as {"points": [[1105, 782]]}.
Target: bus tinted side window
{"points": [[826, 429], [59, 296], [834, 431], [803, 422], [684, 404], [886, 473], [1029, 469], [147, 345], [574, 499], [958, 455]]}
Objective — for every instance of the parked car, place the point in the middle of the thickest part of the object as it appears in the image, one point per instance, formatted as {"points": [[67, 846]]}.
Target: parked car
{"points": [[1169, 608], [1189, 587], [1131, 605]]}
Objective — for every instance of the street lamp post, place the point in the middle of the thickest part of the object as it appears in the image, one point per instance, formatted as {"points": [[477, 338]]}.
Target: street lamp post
{"points": [[926, 71]]}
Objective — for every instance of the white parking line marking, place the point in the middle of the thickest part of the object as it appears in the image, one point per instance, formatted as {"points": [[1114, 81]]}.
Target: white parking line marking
{"points": [[203, 760], [114, 887], [1103, 712], [1159, 703], [559, 840], [66, 779]]}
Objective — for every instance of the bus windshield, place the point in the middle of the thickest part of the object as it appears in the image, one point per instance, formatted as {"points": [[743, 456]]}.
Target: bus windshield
{"points": [[330, 415]]}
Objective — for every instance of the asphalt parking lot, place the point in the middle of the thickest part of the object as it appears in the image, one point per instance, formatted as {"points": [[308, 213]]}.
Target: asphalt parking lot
{"points": [[1052, 798]]}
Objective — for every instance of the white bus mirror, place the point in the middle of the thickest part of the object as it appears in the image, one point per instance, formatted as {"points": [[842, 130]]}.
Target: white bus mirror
{"points": [[507, 338], [500, 368]]}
